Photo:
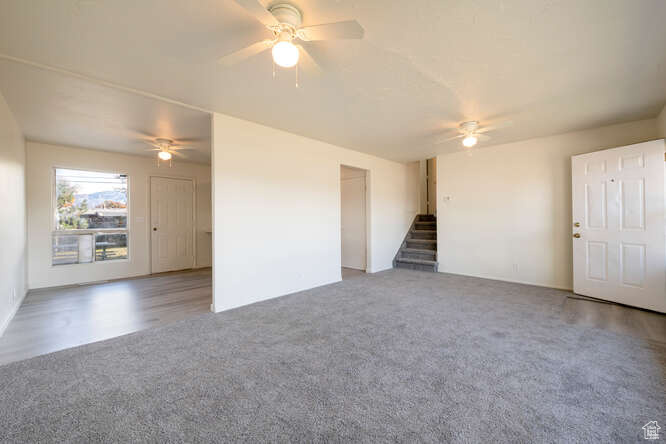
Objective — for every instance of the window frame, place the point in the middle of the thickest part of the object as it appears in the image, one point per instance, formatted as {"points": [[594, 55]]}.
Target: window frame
{"points": [[78, 231]]}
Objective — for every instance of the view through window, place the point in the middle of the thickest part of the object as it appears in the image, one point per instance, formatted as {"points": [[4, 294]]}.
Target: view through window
{"points": [[90, 217]]}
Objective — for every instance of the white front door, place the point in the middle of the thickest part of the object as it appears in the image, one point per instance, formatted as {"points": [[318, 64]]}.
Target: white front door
{"points": [[172, 224], [352, 203], [619, 243]]}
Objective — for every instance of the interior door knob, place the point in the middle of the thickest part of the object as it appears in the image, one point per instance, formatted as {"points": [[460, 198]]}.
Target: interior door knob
{"points": [[154, 228], [576, 235]]}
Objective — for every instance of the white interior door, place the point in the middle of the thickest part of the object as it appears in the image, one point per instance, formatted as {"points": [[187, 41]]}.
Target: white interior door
{"points": [[353, 223], [172, 223], [618, 212]]}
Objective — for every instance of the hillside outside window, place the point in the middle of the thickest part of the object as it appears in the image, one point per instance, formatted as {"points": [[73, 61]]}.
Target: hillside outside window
{"points": [[91, 214]]}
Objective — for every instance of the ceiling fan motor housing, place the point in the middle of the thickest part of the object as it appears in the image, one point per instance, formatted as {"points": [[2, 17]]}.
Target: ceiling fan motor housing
{"points": [[287, 14], [469, 127], [163, 141]]}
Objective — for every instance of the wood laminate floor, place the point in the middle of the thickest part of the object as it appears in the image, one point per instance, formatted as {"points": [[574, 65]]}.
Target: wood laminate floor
{"points": [[617, 318], [55, 319], [59, 318], [351, 272]]}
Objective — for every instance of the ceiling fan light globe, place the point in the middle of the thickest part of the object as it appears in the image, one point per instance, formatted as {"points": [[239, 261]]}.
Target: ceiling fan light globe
{"points": [[469, 141], [164, 155], [285, 54]]}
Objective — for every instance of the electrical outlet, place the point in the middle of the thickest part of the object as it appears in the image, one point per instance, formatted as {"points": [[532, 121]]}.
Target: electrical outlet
{"points": [[516, 268], [12, 296]]}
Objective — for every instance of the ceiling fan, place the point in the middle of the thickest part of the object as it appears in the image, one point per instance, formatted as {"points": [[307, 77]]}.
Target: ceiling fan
{"points": [[166, 149], [472, 132], [284, 21]]}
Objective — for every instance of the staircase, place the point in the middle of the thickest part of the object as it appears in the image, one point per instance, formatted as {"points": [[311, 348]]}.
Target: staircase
{"points": [[419, 249]]}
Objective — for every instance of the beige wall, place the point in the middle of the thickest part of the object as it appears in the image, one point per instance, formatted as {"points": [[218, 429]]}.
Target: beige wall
{"points": [[42, 158], [505, 212], [12, 216], [432, 185], [277, 211], [661, 123]]}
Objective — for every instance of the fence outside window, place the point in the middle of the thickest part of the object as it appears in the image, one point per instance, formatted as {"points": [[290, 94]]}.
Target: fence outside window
{"points": [[91, 217]]}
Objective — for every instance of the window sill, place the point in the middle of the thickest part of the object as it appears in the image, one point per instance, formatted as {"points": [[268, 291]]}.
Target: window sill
{"points": [[114, 261]]}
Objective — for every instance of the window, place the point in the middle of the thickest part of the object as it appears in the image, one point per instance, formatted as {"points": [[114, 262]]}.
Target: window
{"points": [[91, 215]]}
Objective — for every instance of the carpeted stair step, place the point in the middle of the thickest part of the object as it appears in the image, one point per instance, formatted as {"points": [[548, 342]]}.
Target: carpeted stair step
{"points": [[429, 225], [424, 234], [418, 253], [422, 244], [416, 264], [419, 248]]}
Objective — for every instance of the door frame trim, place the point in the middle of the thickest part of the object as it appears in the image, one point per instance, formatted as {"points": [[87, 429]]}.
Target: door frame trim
{"points": [[194, 216], [368, 215]]}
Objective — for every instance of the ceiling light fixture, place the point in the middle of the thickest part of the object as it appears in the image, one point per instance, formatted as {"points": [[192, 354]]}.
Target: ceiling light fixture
{"points": [[469, 140], [285, 53], [164, 155]]}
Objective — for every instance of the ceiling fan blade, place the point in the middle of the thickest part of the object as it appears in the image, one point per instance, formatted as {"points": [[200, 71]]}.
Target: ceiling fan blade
{"points": [[496, 126], [306, 62], [245, 53], [189, 140], [182, 147], [350, 29], [257, 9], [141, 134], [447, 138]]}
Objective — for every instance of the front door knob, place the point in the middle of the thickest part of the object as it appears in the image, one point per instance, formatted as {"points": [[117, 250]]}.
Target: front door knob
{"points": [[576, 235]]}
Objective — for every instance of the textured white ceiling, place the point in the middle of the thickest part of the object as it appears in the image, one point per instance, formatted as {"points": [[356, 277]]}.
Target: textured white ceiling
{"points": [[425, 65], [56, 108]]}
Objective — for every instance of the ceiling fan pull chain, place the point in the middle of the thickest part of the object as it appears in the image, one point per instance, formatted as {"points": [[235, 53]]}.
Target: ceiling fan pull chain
{"points": [[273, 69], [296, 75]]}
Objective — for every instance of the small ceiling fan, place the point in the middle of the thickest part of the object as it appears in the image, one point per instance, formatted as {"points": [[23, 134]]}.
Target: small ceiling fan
{"points": [[166, 149], [472, 132], [284, 21]]}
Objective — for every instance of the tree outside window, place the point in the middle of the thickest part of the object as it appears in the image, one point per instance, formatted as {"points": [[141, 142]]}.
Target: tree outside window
{"points": [[91, 214]]}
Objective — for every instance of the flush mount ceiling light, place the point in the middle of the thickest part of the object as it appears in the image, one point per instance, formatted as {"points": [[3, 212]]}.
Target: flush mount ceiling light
{"points": [[284, 21]]}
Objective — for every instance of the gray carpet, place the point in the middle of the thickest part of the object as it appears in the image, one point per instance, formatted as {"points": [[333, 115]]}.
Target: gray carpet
{"points": [[396, 356]]}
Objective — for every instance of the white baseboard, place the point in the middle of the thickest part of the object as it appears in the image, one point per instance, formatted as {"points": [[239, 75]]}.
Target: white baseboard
{"points": [[215, 309], [12, 313], [353, 268], [492, 278]]}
